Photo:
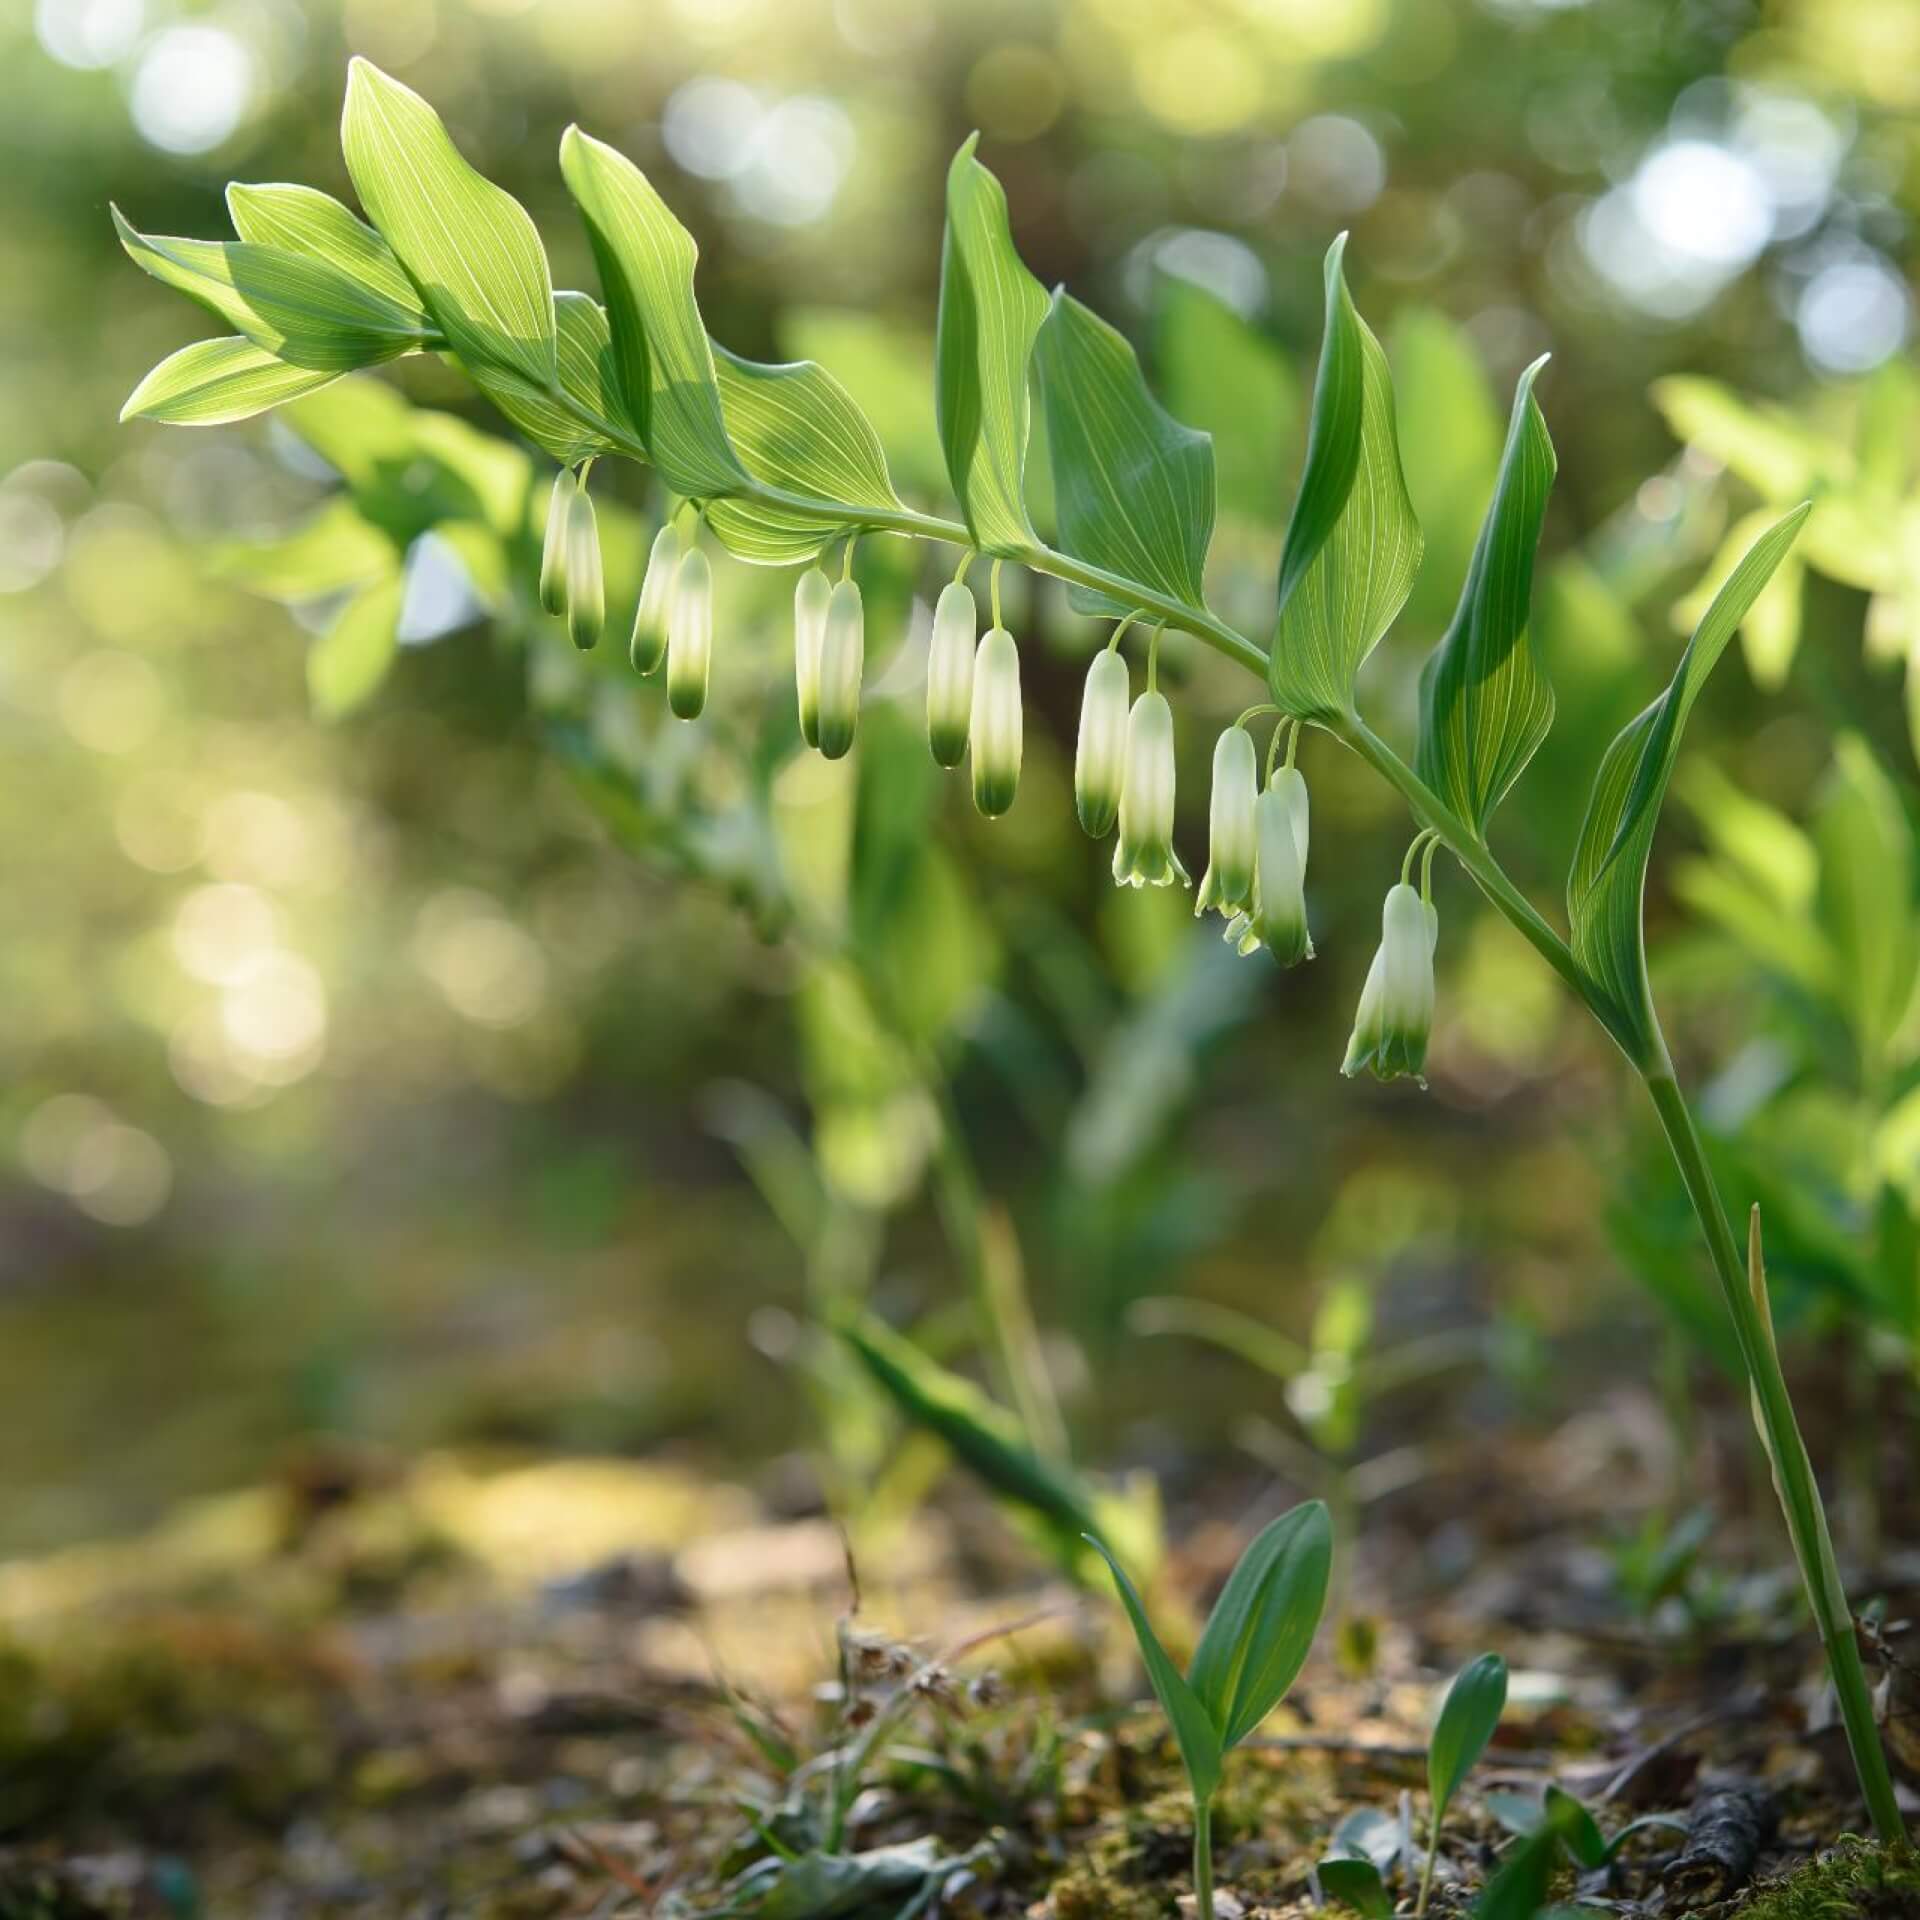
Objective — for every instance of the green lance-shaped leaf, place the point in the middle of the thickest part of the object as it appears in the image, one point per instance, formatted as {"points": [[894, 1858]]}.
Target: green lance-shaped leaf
{"points": [[346, 664], [302, 310], [796, 429], [304, 220], [660, 346], [593, 417], [1262, 1627], [1485, 706], [984, 1436], [990, 309], [1353, 545], [215, 382], [1133, 488], [1605, 888], [1473, 1707], [467, 245], [1193, 1728]]}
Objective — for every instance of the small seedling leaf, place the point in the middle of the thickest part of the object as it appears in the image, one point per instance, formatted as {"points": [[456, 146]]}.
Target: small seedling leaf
{"points": [[1473, 1707], [1263, 1624], [1578, 1828], [1193, 1729], [1357, 1884]]}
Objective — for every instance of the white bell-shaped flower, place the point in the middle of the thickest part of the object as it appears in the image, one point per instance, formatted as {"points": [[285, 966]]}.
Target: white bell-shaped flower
{"points": [[843, 649], [1228, 881], [995, 723], [690, 635], [648, 647], [950, 664], [1395, 1017], [811, 594], [586, 578], [1143, 856], [553, 550], [1100, 764]]}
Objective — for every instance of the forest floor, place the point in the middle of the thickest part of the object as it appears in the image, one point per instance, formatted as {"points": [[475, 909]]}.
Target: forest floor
{"points": [[610, 1688]]}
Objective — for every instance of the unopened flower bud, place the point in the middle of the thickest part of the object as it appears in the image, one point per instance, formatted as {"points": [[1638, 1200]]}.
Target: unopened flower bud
{"points": [[995, 723], [1396, 1005], [1228, 883], [690, 635], [842, 655], [810, 596], [956, 625], [1278, 920], [586, 580], [648, 646], [553, 551], [1100, 764], [1144, 856]]}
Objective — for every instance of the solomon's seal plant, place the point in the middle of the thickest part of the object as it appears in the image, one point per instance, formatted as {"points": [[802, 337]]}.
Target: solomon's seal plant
{"points": [[1251, 1651], [776, 464]]}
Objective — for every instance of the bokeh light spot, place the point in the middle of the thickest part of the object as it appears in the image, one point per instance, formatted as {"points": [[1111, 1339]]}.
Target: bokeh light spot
{"points": [[191, 89]]}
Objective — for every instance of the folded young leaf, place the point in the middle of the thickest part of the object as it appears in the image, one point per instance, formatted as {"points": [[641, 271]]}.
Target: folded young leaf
{"points": [[1133, 488], [596, 421], [797, 429], [990, 309], [302, 310], [467, 245], [347, 663], [1485, 707], [1353, 545], [1263, 1625], [660, 346], [1467, 1721], [1605, 887], [1194, 1731], [215, 382], [304, 220]]}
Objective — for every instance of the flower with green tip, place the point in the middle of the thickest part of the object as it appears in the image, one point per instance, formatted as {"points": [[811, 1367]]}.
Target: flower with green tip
{"points": [[1100, 765], [1396, 1006], [1278, 917], [995, 725], [1143, 856], [648, 647], [690, 635], [842, 657], [1228, 882], [811, 593], [586, 580], [956, 627], [553, 551]]}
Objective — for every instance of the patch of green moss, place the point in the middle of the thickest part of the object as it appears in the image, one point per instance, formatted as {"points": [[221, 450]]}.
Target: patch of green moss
{"points": [[1856, 1880]]}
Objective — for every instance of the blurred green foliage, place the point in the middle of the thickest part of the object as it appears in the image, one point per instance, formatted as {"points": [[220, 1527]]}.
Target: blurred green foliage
{"points": [[358, 1077]]}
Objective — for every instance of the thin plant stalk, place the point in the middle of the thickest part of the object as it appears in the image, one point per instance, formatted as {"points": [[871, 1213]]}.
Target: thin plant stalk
{"points": [[1426, 1872], [1203, 1859]]}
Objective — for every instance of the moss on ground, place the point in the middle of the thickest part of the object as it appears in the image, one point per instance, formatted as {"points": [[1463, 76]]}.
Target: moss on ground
{"points": [[1856, 1880]]}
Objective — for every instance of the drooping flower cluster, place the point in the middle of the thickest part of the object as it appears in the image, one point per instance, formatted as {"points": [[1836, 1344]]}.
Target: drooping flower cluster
{"points": [[1124, 766]]}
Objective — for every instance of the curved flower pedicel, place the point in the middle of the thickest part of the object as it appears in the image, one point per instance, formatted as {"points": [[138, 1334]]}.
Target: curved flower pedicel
{"points": [[780, 464]]}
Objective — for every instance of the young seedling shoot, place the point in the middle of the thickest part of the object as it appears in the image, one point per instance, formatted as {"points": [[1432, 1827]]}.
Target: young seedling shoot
{"points": [[1467, 1721], [1254, 1644], [785, 466]]}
